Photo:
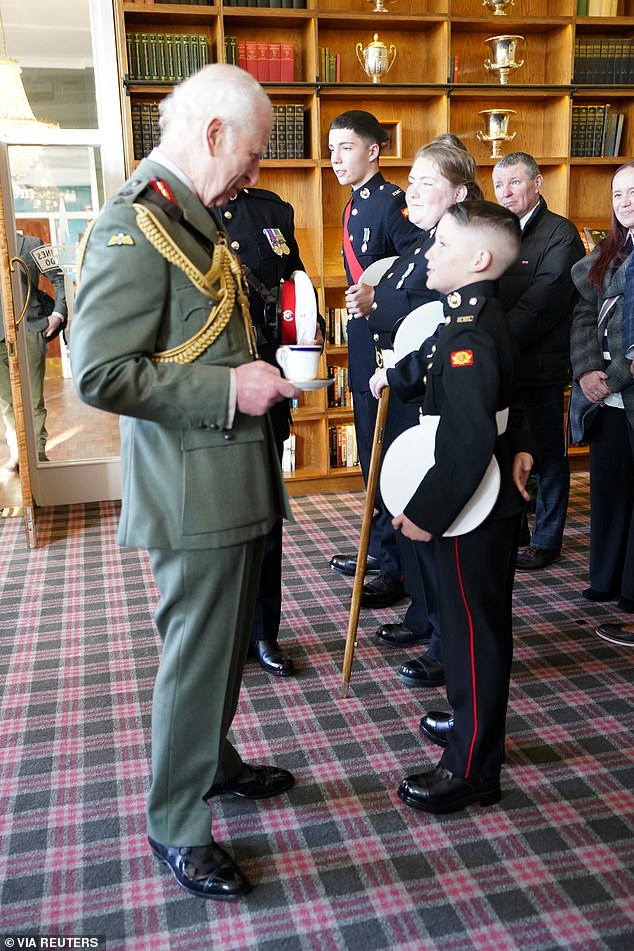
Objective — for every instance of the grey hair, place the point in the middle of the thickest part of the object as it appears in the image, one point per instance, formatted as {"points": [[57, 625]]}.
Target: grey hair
{"points": [[217, 91], [519, 158]]}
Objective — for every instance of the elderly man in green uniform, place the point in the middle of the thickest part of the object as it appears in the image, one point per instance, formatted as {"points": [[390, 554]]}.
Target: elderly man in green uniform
{"points": [[162, 336]]}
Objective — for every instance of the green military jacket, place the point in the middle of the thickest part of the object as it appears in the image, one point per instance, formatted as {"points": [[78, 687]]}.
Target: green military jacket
{"points": [[188, 482]]}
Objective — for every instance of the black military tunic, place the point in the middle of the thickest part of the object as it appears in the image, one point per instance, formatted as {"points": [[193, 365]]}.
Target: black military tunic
{"points": [[261, 227], [467, 378], [376, 223], [378, 227]]}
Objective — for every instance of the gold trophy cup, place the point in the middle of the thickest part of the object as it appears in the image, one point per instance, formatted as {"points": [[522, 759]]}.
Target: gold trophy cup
{"points": [[497, 129], [376, 59], [502, 56], [498, 6]]}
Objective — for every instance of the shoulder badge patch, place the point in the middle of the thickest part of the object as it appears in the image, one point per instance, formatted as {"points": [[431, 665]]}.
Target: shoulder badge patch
{"points": [[462, 358], [118, 240], [465, 319], [405, 212]]}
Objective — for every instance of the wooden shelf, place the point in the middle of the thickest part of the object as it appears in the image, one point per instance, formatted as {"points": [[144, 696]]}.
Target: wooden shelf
{"points": [[416, 104]]}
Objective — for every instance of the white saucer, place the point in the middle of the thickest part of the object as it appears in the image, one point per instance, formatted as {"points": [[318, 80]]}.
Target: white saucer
{"points": [[311, 384]]}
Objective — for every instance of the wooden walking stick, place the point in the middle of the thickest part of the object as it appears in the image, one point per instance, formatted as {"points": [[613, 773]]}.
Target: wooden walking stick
{"points": [[364, 540]]}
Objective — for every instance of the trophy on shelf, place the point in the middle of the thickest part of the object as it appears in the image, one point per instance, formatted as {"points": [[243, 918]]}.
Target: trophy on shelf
{"points": [[376, 59], [498, 6], [502, 52], [497, 129], [380, 6]]}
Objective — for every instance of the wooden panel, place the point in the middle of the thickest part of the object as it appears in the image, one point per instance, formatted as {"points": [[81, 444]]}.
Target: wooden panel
{"points": [[420, 55], [547, 55], [522, 8]]}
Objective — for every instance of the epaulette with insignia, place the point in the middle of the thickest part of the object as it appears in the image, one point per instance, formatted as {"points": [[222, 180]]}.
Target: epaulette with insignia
{"points": [[159, 193], [397, 191]]}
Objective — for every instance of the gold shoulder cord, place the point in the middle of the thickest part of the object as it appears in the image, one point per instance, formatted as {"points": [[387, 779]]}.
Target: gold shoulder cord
{"points": [[225, 271]]}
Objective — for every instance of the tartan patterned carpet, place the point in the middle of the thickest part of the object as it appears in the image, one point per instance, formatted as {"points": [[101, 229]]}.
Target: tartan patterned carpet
{"points": [[338, 862]]}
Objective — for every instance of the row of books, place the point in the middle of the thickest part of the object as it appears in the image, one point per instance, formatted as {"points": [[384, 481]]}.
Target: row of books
{"points": [[597, 8], [337, 325], [145, 127], [596, 131], [266, 62], [338, 393], [604, 62], [329, 66], [287, 137], [343, 446], [288, 453], [166, 57]]}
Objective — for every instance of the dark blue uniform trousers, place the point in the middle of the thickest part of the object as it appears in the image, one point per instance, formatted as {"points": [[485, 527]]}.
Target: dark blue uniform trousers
{"points": [[475, 588]]}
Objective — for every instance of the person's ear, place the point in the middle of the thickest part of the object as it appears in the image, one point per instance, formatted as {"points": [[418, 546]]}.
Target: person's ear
{"points": [[461, 193], [481, 260], [539, 182], [213, 135], [373, 151]]}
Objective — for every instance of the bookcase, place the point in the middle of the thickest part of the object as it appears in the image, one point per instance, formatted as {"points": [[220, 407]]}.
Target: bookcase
{"points": [[437, 83]]}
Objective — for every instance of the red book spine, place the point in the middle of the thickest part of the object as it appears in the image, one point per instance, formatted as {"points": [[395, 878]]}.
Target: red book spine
{"points": [[242, 54], [275, 62], [251, 64], [287, 63], [263, 62]]}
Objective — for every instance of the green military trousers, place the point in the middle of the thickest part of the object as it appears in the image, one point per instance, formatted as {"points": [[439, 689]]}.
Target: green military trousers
{"points": [[204, 620], [36, 351]]}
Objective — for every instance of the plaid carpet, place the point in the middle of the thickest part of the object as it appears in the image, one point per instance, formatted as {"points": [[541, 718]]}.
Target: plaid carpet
{"points": [[339, 862]]}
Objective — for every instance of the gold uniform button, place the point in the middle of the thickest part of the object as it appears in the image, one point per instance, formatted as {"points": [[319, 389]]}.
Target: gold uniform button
{"points": [[473, 301], [228, 215], [454, 299], [235, 245], [355, 211], [375, 338]]}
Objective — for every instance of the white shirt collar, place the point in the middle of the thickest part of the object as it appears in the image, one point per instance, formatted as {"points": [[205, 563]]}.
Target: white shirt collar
{"points": [[161, 159]]}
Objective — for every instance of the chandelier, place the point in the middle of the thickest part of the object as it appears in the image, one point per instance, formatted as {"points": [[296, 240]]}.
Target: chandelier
{"points": [[16, 116]]}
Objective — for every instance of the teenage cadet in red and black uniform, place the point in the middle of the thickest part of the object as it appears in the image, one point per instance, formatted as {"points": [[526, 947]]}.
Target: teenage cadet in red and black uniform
{"points": [[375, 226], [469, 376], [261, 226]]}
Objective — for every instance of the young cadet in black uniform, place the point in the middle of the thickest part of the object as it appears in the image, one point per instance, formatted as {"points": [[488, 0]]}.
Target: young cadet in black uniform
{"points": [[261, 226], [375, 226], [466, 379]]}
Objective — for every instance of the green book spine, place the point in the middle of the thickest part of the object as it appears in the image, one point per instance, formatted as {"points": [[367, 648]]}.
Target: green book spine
{"points": [[203, 50], [137, 135]]}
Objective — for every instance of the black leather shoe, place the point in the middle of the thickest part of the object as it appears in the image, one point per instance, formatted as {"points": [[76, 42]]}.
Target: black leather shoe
{"points": [[347, 565], [622, 634], [272, 658], [436, 726], [440, 792], [592, 594], [422, 672], [254, 782], [382, 592], [626, 604], [397, 635], [206, 871], [532, 559]]}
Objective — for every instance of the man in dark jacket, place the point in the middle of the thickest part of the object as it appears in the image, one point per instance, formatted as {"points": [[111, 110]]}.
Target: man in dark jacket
{"points": [[539, 296], [41, 327]]}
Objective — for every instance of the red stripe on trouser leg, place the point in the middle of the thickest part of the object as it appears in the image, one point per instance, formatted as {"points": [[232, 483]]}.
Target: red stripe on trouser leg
{"points": [[472, 659]]}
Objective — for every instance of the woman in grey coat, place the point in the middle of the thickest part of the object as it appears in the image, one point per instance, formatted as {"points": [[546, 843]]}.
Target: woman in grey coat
{"points": [[602, 371]]}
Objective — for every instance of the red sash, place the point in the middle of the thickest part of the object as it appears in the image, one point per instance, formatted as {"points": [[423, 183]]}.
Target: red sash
{"points": [[354, 267]]}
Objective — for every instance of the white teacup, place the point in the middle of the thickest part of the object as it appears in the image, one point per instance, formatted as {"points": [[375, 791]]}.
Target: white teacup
{"points": [[299, 361]]}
